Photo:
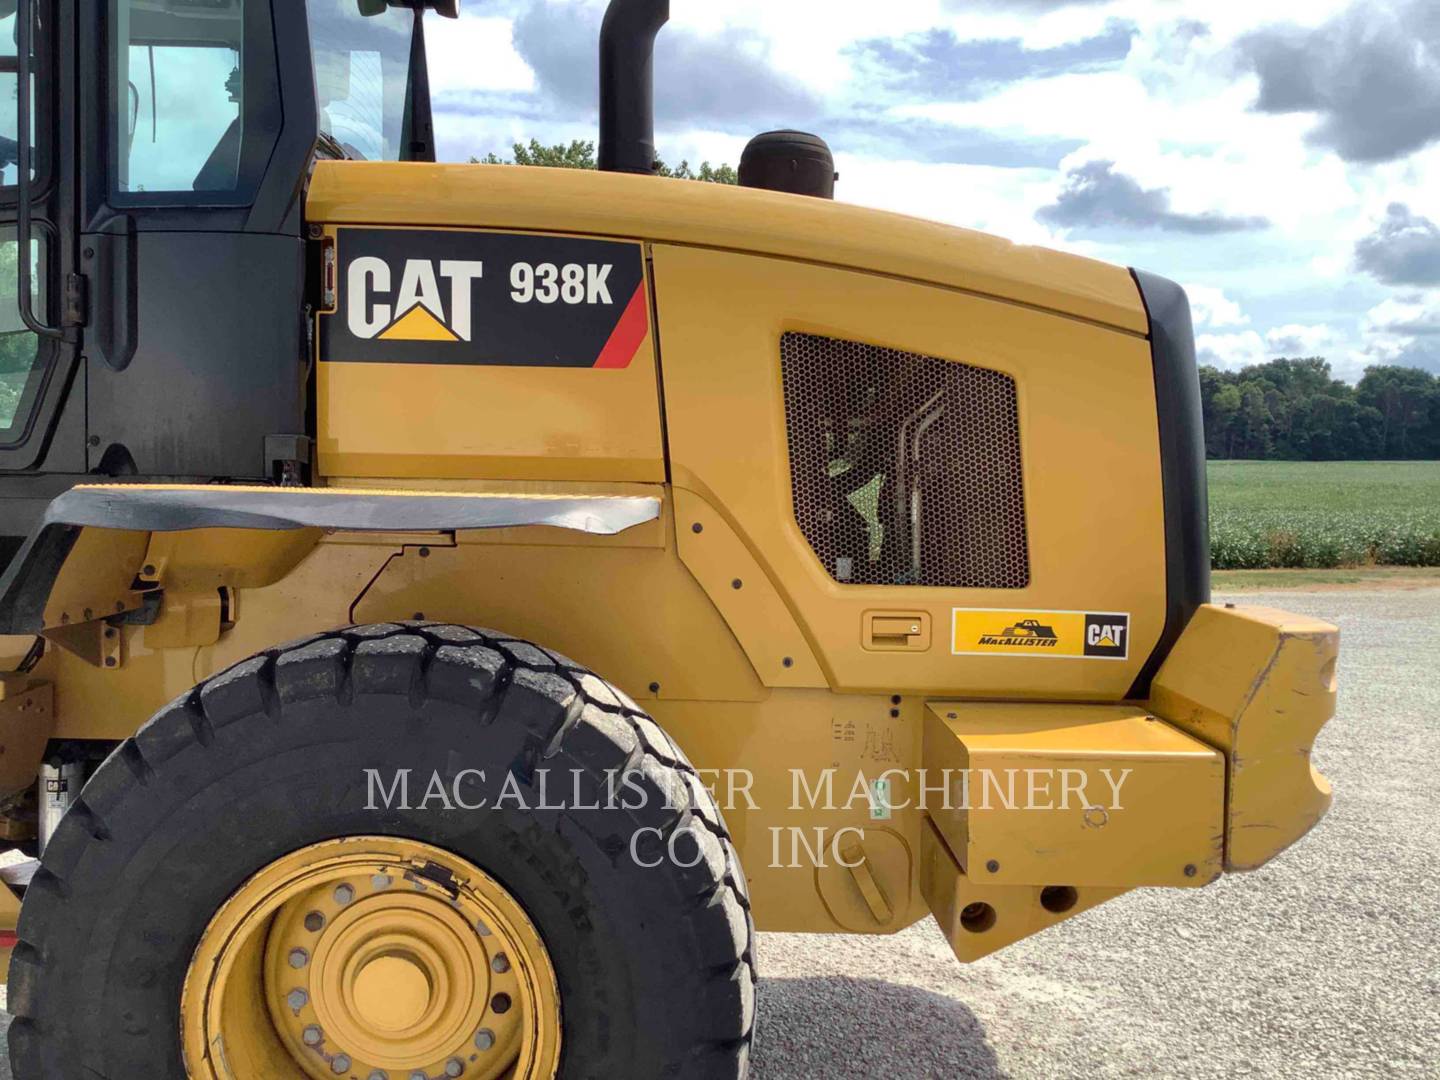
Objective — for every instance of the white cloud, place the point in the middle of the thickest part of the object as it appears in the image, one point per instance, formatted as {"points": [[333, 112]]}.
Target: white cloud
{"points": [[475, 53], [1295, 340], [1210, 307], [1231, 352]]}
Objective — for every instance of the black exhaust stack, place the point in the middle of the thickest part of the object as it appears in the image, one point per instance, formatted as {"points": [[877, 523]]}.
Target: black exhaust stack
{"points": [[627, 84]]}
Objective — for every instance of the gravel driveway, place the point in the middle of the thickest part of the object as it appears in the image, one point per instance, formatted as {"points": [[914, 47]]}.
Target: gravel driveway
{"points": [[1324, 964]]}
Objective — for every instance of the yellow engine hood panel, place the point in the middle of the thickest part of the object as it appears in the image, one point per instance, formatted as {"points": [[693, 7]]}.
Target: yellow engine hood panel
{"points": [[719, 216]]}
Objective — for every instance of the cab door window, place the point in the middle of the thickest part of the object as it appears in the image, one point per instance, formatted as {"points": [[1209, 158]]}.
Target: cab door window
{"points": [[22, 357], [195, 99]]}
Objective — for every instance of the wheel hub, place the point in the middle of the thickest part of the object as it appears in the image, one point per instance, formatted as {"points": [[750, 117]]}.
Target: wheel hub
{"points": [[376, 959]]}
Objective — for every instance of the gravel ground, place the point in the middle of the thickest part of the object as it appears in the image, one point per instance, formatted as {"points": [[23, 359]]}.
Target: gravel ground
{"points": [[1325, 963]]}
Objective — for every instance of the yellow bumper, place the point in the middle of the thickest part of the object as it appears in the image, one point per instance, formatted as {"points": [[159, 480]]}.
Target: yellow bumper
{"points": [[1217, 769], [1258, 685]]}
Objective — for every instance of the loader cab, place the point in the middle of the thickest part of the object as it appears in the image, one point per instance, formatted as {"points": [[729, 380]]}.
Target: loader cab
{"points": [[163, 333]]}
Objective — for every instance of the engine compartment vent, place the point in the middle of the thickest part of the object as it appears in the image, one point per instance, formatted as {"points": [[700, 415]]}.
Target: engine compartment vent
{"points": [[905, 468]]}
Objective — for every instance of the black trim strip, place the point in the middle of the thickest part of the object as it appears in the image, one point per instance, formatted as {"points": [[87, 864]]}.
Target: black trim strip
{"points": [[1182, 464]]}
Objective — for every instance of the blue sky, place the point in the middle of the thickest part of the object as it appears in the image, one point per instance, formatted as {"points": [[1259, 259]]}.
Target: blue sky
{"points": [[1279, 158]]}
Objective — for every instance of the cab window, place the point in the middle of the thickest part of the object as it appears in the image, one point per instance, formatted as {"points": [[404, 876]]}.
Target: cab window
{"points": [[195, 99], [19, 347], [362, 67], [9, 96]]}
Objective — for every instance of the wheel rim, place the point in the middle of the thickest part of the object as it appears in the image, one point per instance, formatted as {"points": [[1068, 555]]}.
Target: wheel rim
{"points": [[373, 958]]}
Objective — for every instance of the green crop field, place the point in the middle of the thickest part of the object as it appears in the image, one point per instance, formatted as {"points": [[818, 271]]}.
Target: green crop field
{"points": [[1324, 514]]}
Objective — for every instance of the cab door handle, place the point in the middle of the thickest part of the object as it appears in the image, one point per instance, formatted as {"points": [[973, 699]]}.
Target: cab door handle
{"points": [[896, 631]]}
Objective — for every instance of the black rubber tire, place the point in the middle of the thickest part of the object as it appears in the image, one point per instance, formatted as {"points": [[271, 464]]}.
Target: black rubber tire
{"points": [[655, 965]]}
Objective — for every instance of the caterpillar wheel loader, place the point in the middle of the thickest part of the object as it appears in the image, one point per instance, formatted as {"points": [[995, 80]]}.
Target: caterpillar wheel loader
{"points": [[449, 608]]}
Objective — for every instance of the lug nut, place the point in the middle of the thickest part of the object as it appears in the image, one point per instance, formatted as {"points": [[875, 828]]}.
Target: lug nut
{"points": [[454, 1067], [380, 881], [378, 1074], [480, 926], [484, 1039], [340, 1063], [297, 999], [312, 1035], [344, 894], [500, 1003], [500, 964], [314, 922], [299, 958], [418, 1075]]}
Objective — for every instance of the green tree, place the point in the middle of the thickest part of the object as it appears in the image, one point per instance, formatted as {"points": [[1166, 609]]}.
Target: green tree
{"points": [[580, 154]]}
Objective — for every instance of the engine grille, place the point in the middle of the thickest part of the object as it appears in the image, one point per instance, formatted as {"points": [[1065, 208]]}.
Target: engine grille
{"points": [[905, 468]]}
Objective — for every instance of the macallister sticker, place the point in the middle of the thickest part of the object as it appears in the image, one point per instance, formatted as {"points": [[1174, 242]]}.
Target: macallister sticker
{"points": [[1065, 635], [407, 296]]}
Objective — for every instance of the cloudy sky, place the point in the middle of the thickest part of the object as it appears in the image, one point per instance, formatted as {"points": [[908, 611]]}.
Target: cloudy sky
{"points": [[1281, 158]]}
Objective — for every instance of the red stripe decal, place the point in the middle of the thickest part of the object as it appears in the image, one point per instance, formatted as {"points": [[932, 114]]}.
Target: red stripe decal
{"points": [[8, 939], [629, 332]]}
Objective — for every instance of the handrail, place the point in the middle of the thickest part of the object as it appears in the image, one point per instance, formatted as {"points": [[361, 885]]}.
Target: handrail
{"points": [[24, 225]]}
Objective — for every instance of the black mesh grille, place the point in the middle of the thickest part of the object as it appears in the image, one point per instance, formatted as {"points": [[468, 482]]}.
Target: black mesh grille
{"points": [[906, 468]]}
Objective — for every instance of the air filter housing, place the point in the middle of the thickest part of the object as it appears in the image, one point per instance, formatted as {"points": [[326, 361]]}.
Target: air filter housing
{"points": [[792, 161]]}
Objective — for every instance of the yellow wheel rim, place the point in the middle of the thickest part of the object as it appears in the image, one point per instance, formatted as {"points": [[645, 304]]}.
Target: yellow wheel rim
{"points": [[370, 958]]}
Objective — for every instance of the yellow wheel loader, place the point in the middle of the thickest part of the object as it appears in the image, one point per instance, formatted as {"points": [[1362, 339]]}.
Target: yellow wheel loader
{"points": [[449, 608]]}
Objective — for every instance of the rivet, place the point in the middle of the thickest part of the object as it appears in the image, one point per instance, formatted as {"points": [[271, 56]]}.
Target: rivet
{"points": [[484, 1039], [296, 999], [697, 528], [314, 921], [110, 661], [500, 1003], [1191, 870], [299, 958], [654, 688], [454, 1067], [149, 570], [993, 866], [737, 584], [424, 553], [500, 964], [312, 1035], [894, 714], [340, 1063], [344, 894], [789, 661], [381, 881]]}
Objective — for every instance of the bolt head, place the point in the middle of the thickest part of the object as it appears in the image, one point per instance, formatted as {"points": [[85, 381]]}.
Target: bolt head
{"points": [[340, 1063], [454, 1067], [298, 958], [993, 866], [1191, 870], [344, 894], [314, 922], [381, 881], [500, 1003], [500, 964], [312, 1035], [296, 999], [484, 1039], [378, 1074]]}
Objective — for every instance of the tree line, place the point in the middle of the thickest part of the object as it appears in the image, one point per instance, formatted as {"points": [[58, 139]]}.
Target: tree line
{"points": [[1296, 410], [580, 154]]}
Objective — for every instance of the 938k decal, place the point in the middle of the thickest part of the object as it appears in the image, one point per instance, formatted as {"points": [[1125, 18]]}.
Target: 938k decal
{"points": [[508, 299]]}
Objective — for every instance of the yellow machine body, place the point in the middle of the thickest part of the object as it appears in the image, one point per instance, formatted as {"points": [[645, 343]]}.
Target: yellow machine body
{"points": [[826, 710]]}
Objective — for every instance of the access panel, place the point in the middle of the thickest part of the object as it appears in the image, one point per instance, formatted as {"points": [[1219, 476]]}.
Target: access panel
{"points": [[467, 354]]}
